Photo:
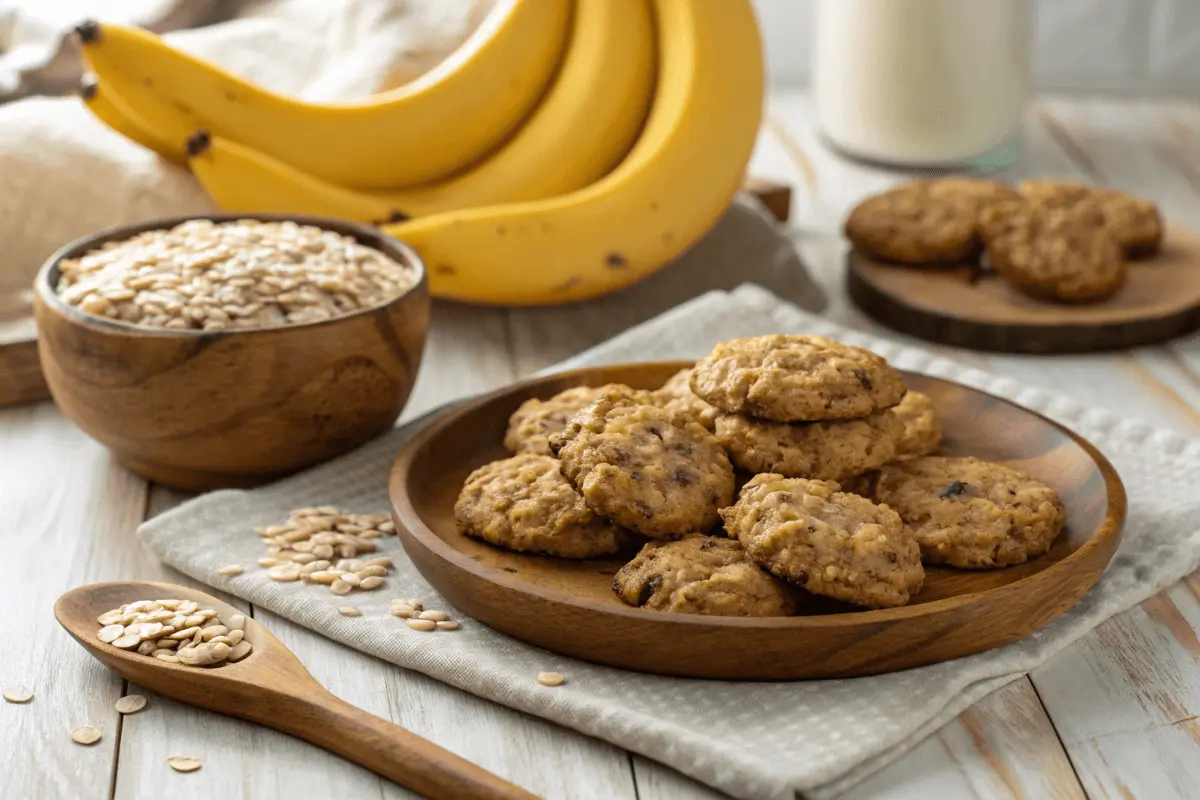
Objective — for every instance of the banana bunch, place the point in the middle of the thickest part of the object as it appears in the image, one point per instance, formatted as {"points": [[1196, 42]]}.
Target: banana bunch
{"points": [[568, 149]]}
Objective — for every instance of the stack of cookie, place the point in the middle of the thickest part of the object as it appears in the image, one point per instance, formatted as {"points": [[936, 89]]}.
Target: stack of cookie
{"points": [[1056, 240], [596, 469], [809, 407]]}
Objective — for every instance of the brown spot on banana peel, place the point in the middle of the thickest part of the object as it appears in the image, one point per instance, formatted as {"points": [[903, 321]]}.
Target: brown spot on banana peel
{"points": [[445, 269], [197, 143], [615, 261], [88, 31]]}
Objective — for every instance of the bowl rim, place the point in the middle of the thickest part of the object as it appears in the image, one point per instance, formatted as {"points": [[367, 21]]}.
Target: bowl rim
{"points": [[411, 524], [369, 235]]}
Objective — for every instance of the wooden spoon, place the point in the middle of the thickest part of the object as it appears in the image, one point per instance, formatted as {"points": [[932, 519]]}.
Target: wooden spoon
{"points": [[271, 687]]}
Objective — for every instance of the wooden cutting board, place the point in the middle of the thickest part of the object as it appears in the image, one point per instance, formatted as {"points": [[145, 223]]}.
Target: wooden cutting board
{"points": [[961, 307], [20, 372]]}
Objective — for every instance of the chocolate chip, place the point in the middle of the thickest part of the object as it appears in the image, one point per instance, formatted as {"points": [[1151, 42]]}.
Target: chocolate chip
{"points": [[635, 475], [863, 378], [684, 448], [683, 477], [510, 569], [891, 557], [953, 489], [648, 589], [707, 545], [621, 458], [643, 509]]}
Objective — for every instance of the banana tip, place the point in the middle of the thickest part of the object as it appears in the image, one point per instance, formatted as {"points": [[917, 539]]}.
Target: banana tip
{"points": [[88, 87], [197, 143], [88, 31]]}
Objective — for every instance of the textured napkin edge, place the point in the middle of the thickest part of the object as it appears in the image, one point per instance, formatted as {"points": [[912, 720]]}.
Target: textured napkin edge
{"points": [[973, 686]]}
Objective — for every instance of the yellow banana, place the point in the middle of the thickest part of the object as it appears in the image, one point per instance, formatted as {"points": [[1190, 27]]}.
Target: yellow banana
{"points": [[586, 124], [441, 123], [116, 115], [665, 195]]}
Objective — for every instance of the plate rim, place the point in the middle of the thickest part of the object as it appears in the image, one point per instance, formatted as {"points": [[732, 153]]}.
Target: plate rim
{"points": [[1111, 527]]}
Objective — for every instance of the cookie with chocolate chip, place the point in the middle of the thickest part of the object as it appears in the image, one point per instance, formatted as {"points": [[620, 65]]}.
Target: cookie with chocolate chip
{"points": [[645, 468], [828, 450], [525, 504], [701, 575], [790, 378], [535, 421], [969, 513], [827, 541]]}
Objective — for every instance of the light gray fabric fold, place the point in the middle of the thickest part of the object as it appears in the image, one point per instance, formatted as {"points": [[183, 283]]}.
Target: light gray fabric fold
{"points": [[752, 740]]}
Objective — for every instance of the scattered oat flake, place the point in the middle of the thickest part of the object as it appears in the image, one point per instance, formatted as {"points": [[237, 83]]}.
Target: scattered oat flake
{"points": [[18, 694], [421, 624], [447, 625], [349, 611], [551, 678], [85, 734], [185, 763], [232, 569], [130, 704]]}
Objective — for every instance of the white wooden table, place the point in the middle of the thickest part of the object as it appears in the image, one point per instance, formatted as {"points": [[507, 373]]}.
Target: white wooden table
{"points": [[1116, 715]]}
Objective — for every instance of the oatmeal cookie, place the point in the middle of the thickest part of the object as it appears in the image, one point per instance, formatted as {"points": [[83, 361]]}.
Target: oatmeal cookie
{"points": [[1057, 252], [827, 451], [924, 222], [525, 504], [796, 379], [701, 575], [970, 513], [532, 424], [677, 397], [1135, 223], [922, 429], [830, 542], [639, 466]]}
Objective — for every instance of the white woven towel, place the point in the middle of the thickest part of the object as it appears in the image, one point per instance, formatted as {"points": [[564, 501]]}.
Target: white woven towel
{"points": [[752, 740]]}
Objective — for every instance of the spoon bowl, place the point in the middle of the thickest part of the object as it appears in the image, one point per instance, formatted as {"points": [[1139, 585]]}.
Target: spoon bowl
{"points": [[271, 687]]}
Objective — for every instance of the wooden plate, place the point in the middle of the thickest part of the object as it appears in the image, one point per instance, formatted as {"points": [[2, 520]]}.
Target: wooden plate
{"points": [[1161, 300], [568, 606], [21, 378]]}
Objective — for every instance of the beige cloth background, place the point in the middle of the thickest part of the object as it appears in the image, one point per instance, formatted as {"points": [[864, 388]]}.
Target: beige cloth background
{"points": [[752, 740], [63, 174]]}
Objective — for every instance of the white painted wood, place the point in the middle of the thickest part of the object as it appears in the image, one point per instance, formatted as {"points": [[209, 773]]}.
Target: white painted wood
{"points": [[66, 513]]}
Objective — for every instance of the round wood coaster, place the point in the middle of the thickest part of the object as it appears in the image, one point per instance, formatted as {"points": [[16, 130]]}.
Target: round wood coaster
{"points": [[21, 378], [981, 311], [568, 606]]}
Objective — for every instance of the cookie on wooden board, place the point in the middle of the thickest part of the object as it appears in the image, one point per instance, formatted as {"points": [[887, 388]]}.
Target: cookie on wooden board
{"points": [[924, 222], [790, 378], [970, 513], [644, 468], [1136, 224], [701, 575], [829, 450], [829, 542], [525, 504], [1056, 252]]}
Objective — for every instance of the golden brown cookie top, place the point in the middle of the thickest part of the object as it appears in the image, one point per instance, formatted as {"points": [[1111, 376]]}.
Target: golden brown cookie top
{"points": [[910, 226], [831, 542], [1135, 223], [796, 378], [524, 503], [701, 575], [828, 450], [534, 421], [642, 467], [970, 513], [1060, 252]]}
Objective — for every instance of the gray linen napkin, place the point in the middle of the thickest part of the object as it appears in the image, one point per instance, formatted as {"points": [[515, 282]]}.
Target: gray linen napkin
{"points": [[752, 740]]}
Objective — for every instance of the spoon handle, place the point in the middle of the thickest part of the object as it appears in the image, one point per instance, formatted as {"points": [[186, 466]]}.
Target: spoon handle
{"points": [[391, 751]]}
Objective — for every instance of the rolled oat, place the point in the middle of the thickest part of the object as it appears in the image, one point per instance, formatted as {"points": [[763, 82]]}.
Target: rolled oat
{"points": [[205, 275]]}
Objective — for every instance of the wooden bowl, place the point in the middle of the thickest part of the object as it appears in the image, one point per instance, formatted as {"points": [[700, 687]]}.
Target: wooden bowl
{"points": [[202, 410], [568, 606]]}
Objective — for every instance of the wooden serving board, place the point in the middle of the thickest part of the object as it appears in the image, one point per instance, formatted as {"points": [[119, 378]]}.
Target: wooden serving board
{"points": [[568, 606], [20, 371], [981, 311]]}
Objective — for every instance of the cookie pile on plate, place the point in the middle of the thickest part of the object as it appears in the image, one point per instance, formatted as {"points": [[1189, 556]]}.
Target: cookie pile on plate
{"points": [[840, 496], [1055, 240]]}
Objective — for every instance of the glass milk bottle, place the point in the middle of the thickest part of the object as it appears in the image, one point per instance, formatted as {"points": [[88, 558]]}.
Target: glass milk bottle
{"points": [[921, 83]]}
